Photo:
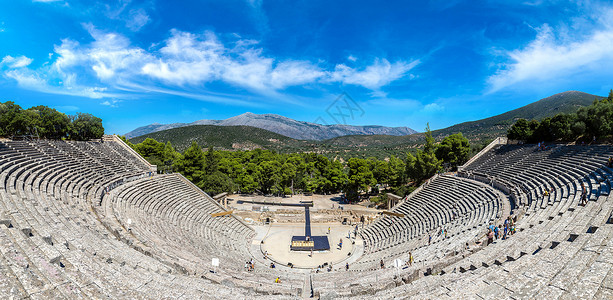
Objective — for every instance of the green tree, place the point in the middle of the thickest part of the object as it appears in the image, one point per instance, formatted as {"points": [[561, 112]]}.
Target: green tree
{"points": [[150, 149], [270, 176], [453, 150], [191, 164], [520, 130], [424, 164], [51, 123], [86, 127], [396, 172], [8, 113], [359, 178]]}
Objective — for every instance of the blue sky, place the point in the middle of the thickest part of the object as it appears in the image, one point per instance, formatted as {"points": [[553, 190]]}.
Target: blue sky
{"points": [[404, 63]]}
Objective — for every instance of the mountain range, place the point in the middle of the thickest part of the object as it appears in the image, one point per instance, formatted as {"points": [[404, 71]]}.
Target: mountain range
{"points": [[299, 130], [232, 137]]}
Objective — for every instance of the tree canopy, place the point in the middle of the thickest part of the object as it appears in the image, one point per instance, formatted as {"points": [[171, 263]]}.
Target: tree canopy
{"points": [[46, 122], [268, 172], [594, 121]]}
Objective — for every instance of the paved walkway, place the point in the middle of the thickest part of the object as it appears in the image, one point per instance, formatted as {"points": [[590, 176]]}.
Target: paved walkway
{"points": [[277, 239]]}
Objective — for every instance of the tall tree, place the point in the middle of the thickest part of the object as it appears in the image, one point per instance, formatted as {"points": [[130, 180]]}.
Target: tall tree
{"points": [[453, 150], [359, 178], [86, 127], [191, 164]]}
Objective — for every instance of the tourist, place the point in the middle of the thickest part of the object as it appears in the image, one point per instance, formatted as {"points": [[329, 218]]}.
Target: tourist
{"points": [[583, 194], [340, 244], [429, 239], [610, 162], [496, 232], [490, 236], [278, 280], [445, 232], [346, 266], [467, 246], [328, 230], [382, 265], [410, 258], [272, 265]]}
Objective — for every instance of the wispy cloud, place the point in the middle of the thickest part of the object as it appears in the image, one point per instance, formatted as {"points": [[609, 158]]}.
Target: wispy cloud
{"points": [[259, 16], [559, 53], [15, 62], [30, 80], [110, 62], [374, 76], [433, 107], [137, 19], [111, 103]]}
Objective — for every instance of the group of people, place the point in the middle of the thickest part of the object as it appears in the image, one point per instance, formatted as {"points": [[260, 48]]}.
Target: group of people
{"points": [[502, 231], [326, 266], [250, 266], [542, 146]]}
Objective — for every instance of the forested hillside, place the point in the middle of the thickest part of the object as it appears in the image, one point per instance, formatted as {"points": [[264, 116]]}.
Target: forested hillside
{"points": [[268, 172]]}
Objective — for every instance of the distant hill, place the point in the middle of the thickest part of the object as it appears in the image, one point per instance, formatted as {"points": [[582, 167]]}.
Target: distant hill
{"points": [[299, 130], [380, 146], [224, 137], [480, 130], [566, 102]]}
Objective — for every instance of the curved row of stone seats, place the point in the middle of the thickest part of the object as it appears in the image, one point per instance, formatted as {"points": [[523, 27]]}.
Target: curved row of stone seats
{"points": [[528, 171], [52, 244], [168, 213], [442, 201], [170, 218], [574, 260], [552, 223]]}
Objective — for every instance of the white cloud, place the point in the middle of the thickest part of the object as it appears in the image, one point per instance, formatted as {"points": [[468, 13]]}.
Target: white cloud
{"points": [[433, 107], [188, 60], [138, 18], [15, 62], [111, 103], [352, 58], [135, 19], [557, 54], [374, 76], [259, 16], [33, 81]]}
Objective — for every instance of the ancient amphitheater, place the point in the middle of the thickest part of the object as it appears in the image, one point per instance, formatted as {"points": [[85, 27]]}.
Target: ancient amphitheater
{"points": [[92, 220]]}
